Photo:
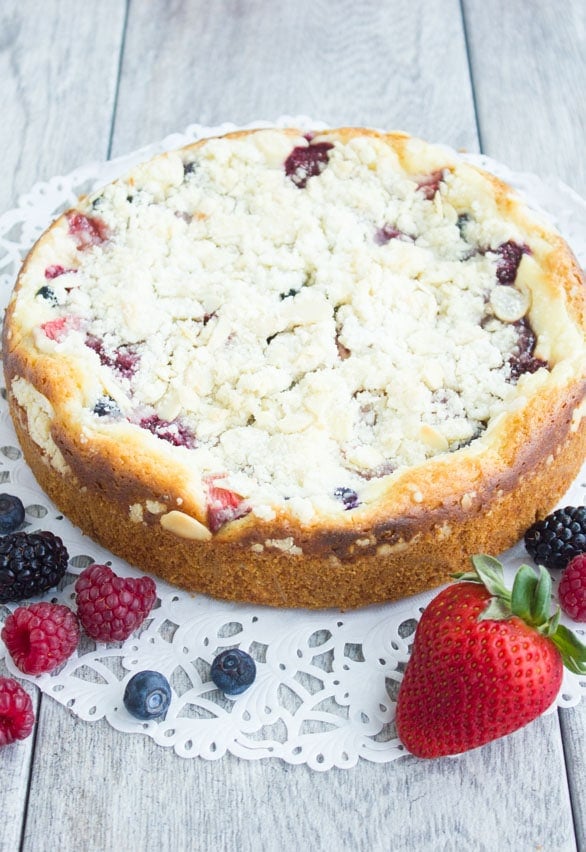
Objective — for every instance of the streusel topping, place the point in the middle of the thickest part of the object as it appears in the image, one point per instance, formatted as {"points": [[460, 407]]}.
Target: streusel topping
{"points": [[296, 315]]}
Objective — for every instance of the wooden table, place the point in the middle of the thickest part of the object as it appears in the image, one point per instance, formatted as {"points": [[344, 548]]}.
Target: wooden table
{"points": [[85, 81]]}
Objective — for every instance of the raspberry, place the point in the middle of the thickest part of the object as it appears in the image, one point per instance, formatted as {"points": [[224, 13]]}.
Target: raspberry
{"points": [[30, 563], [223, 506], [559, 537], [41, 636], [572, 588], [16, 712], [109, 607]]}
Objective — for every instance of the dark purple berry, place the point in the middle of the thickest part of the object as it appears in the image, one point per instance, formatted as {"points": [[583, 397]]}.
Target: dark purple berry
{"points": [[522, 359], [169, 430], [147, 695], [347, 496], [558, 538], [11, 513], [288, 295], [124, 359], [307, 161], [30, 563], [509, 256], [233, 671]]}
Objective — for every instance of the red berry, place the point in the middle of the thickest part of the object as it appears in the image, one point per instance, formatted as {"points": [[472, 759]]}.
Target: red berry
{"points": [[572, 588], [41, 636], [16, 712], [87, 231], [223, 505], [109, 607]]}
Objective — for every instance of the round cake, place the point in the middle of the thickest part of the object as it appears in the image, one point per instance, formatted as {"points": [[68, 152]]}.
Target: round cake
{"points": [[301, 369]]}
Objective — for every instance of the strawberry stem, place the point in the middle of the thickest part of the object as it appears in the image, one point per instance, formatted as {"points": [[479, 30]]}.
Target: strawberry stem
{"points": [[529, 600]]}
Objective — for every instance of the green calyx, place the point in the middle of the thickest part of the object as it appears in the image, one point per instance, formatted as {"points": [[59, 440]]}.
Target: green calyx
{"points": [[529, 600]]}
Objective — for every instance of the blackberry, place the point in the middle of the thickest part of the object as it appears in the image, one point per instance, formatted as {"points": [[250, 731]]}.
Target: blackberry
{"points": [[30, 563], [559, 537]]}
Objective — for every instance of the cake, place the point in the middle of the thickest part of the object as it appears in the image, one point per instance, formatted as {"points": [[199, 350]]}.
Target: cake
{"points": [[301, 369]]}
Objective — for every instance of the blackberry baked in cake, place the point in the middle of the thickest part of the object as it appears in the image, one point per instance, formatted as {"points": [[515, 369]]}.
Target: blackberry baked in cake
{"points": [[301, 369]]}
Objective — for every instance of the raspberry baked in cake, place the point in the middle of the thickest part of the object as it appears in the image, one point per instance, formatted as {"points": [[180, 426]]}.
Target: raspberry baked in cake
{"points": [[301, 369]]}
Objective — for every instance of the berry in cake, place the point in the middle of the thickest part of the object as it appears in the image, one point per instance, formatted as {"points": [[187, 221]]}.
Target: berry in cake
{"points": [[106, 406], [87, 231], [174, 432], [223, 505], [30, 564], [306, 162], [572, 588], [110, 608], [558, 538], [486, 661], [430, 184], [46, 292], [55, 270], [509, 256], [41, 636], [11, 513], [17, 717], [347, 496], [147, 695], [124, 358], [233, 671]]}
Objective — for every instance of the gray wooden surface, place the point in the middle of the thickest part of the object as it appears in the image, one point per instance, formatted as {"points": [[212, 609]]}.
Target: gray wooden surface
{"points": [[79, 81]]}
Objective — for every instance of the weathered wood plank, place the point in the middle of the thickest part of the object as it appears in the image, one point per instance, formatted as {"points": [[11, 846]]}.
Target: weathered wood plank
{"points": [[15, 767], [573, 725], [96, 789], [528, 73], [368, 63], [58, 71]]}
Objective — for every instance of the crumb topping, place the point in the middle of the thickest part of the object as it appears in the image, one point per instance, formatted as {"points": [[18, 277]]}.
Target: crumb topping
{"points": [[296, 315]]}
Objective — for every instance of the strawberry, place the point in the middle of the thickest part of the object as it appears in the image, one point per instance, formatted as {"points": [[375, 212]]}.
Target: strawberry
{"points": [[485, 661]]}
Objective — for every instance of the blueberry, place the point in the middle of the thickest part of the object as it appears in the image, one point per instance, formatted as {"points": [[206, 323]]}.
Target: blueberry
{"points": [[348, 496], [11, 513], [233, 671], [47, 293], [107, 407], [147, 695]]}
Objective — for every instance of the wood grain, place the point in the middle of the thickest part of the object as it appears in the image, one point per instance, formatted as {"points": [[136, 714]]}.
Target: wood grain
{"points": [[115, 791], [528, 66], [397, 65], [58, 73]]}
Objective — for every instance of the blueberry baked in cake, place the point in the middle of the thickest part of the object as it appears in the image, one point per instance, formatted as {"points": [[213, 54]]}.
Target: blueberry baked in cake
{"points": [[299, 369]]}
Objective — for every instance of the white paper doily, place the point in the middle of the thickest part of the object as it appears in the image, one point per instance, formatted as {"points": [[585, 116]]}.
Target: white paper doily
{"points": [[326, 681]]}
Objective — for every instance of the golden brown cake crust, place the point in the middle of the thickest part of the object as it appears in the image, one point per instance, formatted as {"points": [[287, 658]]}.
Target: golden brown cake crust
{"points": [[137, 499]]}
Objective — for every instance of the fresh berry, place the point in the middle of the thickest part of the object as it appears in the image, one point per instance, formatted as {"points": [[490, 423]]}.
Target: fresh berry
{"points": [[572, 588], [16, 712], [109, 607], [485, 661], [307, 161], [173, 431], [56, 270], [147, 695], [559, 537], [11, 513], [41, 636], [509, 256], [233, 671], [347, 496], [522, 359], [223, 506], [87, 231], [30, 563], [429, 184]]}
